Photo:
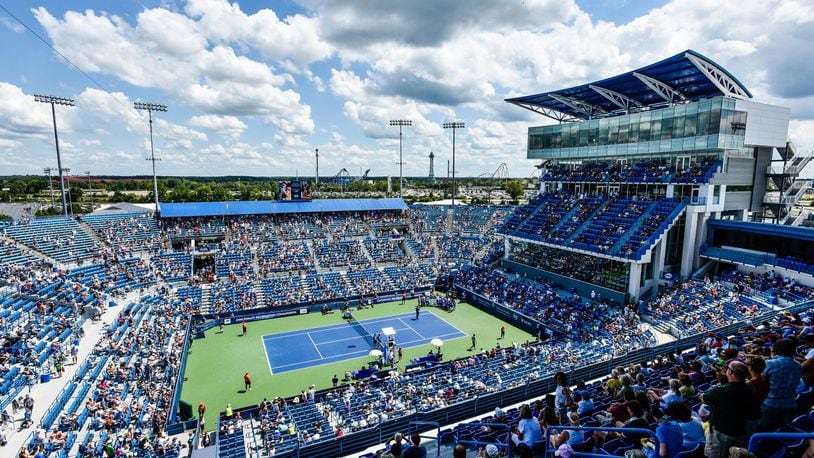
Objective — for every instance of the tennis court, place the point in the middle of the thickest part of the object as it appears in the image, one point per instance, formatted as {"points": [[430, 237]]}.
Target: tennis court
{"points": [[294, 350]]}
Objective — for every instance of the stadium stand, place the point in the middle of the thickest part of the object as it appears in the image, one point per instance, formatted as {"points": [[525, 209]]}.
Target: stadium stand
{"points": [[585, 331], [128, 233], [62, 239]]}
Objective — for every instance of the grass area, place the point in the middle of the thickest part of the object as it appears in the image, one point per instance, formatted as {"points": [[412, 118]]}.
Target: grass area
{"points": [[216, 364]]}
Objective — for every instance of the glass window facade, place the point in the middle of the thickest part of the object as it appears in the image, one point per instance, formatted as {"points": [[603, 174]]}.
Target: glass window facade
{"points": [[707, 124]]}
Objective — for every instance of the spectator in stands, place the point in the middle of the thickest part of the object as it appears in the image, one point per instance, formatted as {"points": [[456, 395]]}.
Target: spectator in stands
{"points": [[490, 451], [692, 431], [459, 451], [759, 385], [562, 397], [809, 339], [783, 374], [670, 437], [528, 430], [566, 436], [614, 384], [635, 420], [416, 450], [665, 397], [730, 403]]}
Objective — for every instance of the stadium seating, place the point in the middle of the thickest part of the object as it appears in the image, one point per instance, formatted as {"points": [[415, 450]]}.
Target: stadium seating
{"points": [[238, 294], [643, 171], [384, 250], [278, 257], [233, 261], [149, 332], [60, 238], [285, 290], [13, 253], [127, 232], [174, 266], [619, 226], [333, 253]]}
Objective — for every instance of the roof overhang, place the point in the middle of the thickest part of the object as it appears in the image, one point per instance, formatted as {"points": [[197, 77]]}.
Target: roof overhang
{"points": [[685, 77]]}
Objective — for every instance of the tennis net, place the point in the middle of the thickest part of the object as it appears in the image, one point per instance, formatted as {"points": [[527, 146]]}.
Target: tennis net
{"points": [[361, 330]]}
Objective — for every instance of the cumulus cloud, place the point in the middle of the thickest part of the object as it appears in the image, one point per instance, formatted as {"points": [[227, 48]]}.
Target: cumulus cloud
{"points": [[227, 126], [20, 115], [209, 77], [422, 23], [232, 74]]}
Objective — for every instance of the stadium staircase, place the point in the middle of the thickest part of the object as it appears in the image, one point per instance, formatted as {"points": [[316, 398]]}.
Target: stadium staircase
{"points": [[313, 253], [206, 298], [259, 292], [663, 230], [407, 250], [599, 209], [434, 246], [367, 254], [89, 229]]}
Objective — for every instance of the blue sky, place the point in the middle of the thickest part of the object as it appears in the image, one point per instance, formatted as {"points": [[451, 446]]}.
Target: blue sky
{"points": [[253, 87]]}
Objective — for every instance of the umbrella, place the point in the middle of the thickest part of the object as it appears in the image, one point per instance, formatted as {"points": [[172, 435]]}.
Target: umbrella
{"points": [[375, 352], [437, 342]]}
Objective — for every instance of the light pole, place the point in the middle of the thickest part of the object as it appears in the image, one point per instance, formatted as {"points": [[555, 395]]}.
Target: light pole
{"points": [[401, 123], [54, 100], [68, 192], [150, 108], [453, 125], [316, 151], [48, 170], [90, 191]]}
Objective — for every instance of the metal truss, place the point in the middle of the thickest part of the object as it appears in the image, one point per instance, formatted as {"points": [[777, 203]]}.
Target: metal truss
{"points": [[553, 114], [579, 105], [620, 100], [665, 91], [719, 78]]}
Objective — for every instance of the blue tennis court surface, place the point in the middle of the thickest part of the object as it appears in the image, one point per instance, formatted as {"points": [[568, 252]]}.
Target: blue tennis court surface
{"points": [[294, 350]]}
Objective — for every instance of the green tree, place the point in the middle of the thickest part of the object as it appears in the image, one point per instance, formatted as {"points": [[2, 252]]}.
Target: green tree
{"points": [[515, 189]]}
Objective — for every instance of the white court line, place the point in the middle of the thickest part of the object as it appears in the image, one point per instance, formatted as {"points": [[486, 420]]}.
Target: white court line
{"points": [[332, 327], [411, 328], [315, 346], [448, 323], [360, 354], [340, 325], [268, 357]]}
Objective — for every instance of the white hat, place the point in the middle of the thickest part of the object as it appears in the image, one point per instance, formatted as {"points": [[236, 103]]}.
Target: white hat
{"points": [[491, 450], [704, 411], [499, 412]]}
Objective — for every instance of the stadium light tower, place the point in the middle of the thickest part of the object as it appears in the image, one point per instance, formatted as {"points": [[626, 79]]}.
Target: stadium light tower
{"points": [[150, 108], [90, 191], [54, 100], [401, 123], [48, 171], [453, 125]]}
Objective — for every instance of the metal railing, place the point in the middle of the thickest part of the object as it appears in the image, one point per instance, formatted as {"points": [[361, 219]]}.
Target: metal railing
{"points": [[417, 424], [754, 441], [630, 431], [492, 427]]}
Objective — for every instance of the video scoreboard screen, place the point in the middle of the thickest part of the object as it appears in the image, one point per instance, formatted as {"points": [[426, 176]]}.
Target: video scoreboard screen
{"points": [[294, 191]]}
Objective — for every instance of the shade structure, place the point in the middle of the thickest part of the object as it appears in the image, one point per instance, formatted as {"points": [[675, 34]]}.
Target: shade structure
{"points": [[375, 352], [437, 342]]}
